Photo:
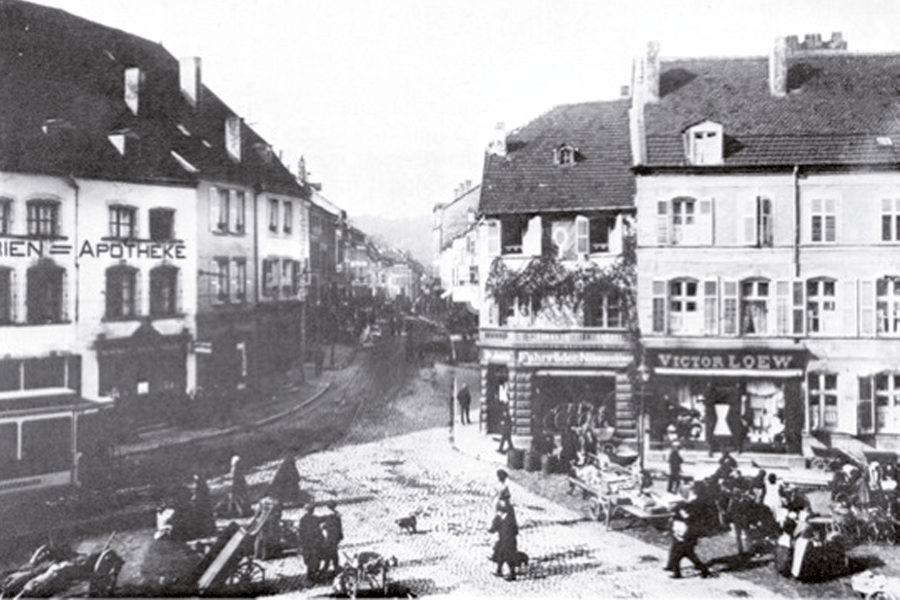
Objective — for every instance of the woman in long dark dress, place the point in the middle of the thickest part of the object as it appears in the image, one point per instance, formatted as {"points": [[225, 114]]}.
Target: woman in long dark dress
{"points": [[506, 550]]}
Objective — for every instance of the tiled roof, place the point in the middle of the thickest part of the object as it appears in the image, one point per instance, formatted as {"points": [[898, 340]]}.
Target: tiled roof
{"points": [[836, 106], [62, 95], [527, 180]]}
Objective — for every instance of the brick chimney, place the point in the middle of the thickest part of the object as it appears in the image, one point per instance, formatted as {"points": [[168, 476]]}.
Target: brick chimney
{"points": [[497, 144], [778, 67], [651, 73], [132, 88], [189, 76]]}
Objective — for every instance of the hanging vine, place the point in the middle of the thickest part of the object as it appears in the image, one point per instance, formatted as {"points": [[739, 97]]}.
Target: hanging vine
{"points": [[546, 278]]}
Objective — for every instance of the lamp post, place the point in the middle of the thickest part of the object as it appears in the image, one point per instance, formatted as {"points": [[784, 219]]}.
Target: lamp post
{"points": [[644, 374]]}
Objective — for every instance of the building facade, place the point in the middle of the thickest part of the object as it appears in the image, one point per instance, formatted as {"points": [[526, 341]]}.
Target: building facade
{"points": [[767, 246], [556, 205]]}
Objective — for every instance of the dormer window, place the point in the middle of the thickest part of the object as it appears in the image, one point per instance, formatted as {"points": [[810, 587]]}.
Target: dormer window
{"points": [[703, 144], [564, 156]]}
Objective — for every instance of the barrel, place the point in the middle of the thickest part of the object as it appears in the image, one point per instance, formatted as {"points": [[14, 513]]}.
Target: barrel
{"points": [[532, 462], [515, 458], [548, 464]]}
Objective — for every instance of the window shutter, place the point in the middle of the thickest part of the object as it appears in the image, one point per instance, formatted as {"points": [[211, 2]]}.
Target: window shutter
{"points": [[213, 209], [662, 223], [493, 237], [658, 315], [705, 221], [865, 422], [867, 308], [847, 304], [138, 296], [749, 222], [233, 209], [798, 310], [13, 297], [783, 307], [729, 307], [179, 291], [233, 274], [711, 307], [832, 208], [582, 236], [214, 281], [531, 240]]}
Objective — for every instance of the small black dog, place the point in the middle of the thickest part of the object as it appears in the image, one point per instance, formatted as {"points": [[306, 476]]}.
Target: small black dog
{"points": [[408, 524]]}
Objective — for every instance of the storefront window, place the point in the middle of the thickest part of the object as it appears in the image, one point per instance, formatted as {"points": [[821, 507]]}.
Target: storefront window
{"points": [[766, 410], [822, 393]]}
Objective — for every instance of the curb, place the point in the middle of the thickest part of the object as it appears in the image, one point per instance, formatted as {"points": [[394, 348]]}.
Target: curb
{"points": [[233, 428]]}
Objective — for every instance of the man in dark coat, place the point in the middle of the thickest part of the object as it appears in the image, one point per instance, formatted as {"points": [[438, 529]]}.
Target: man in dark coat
{"points": [[334, 534], [686, 528], [311, 540], [203, 522], [506, 550], [675, 462], [285, 486], [464, 397], [505, 431]]}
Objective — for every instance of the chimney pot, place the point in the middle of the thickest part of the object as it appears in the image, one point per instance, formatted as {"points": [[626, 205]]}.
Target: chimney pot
{"points": [[498, 143]]}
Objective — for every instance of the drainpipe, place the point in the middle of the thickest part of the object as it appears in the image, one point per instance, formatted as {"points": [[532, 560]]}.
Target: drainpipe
{"points": [[795, 177], [70, 179], [258, 197]]}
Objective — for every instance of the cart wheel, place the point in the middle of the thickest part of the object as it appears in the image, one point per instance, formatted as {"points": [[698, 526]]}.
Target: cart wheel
{"points": [[873, 533], [248, 575], [609, 448], [595, 509]]}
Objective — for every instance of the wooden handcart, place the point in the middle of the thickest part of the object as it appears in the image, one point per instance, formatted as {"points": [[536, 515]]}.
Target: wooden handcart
{"points": [[367, 570]]}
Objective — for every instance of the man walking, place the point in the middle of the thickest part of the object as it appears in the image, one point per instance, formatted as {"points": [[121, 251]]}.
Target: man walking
{"points": [[334, 534], [311, 538], [675, 462], [505, 431], [685, 535], [464, 397]]}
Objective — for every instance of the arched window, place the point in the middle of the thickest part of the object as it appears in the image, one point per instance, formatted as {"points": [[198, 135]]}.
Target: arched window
{"points": [[121, 292], [164, 290], [45, 289]]}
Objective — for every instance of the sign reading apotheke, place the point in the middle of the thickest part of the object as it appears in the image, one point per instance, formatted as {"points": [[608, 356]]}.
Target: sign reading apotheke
{"points": [[755, 359]]}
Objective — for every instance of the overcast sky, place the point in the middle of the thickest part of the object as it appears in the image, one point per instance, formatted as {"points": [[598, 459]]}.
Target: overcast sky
{"points": [[392, 102]]}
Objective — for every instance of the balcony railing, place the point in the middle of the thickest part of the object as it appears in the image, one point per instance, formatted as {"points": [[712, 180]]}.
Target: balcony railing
{"points": [[581, 336]]}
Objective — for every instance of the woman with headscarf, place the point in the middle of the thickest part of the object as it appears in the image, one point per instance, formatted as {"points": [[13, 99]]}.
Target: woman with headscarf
{"points": [[506, 549]]}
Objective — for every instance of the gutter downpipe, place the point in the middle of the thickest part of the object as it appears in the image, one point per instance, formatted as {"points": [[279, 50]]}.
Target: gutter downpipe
{"points": [[70, 179], [795, 176]]}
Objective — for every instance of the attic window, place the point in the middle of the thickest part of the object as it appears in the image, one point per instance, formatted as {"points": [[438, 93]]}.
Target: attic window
{"points": [[564, 156], [703, 144], [884, 141]]}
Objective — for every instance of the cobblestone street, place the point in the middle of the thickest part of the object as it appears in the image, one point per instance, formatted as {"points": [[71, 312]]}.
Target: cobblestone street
{"points": [[377, 483]]}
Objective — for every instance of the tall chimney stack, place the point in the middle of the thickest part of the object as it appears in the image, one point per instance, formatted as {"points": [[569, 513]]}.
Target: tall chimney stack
{"points": [[778, 68], [498, 142], [190, 78], [651, 72]]}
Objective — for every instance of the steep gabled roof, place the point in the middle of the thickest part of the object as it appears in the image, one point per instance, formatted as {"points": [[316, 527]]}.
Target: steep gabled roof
{"points": [[62, 96], [836, 106], [527, 180]]}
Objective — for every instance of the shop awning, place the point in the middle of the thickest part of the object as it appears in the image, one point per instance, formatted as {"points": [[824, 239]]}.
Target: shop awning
{"points": [[767, 374]]}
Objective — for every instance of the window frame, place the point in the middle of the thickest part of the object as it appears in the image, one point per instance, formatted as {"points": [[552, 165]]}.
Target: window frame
{"points": [[122, 293], [823, 217], [168, 274], [36, 223], [7, 295], [154, 215], [6, 215], [274, 209], [512, 235], [240, 280], [120, 227], [223, 209], [681, 319], [222, 275], [287, 227], [883, 315], [45, 270], [818, 413], [890, 220], [755, 297], [817, 305]]}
